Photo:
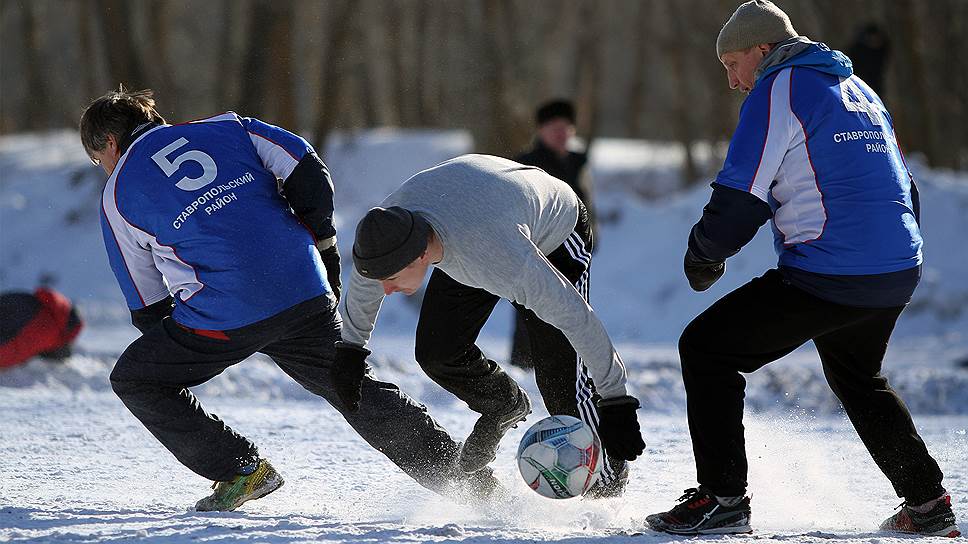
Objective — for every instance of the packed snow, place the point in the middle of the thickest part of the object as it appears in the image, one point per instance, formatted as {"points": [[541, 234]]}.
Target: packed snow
{"points": [[77, 467]]}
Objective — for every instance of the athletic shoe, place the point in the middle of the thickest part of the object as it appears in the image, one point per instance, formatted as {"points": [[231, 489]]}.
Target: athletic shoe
{"points": [[939, 521], [699, 512], [481, 445], [615, 488], [245, 487]]}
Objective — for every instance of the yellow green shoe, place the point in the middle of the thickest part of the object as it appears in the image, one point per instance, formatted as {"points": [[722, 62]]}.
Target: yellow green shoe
{"points": [[245, 487]]}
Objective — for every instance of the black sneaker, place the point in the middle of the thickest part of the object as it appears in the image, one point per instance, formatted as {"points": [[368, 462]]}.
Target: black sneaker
{"points": [[615, 488], [939, 521], [480, 448], [700, 513]]}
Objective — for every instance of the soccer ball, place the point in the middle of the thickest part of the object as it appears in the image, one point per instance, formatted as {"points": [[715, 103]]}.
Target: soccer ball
{"points": [[560, 457]]}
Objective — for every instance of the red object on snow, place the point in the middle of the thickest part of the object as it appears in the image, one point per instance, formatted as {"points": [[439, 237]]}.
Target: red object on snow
{"points": [[46, 324]]}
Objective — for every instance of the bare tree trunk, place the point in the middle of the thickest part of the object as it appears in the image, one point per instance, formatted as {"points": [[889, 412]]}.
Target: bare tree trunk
{"points": [[338, 33], [919, 130], [638, 89], [155, 55], [366, 59], [588, 73], [497, 39], [260, 59], [38, 102], [121, 44], [395, 31], [431, 33], [254, 65], [85, 22], [280, 81], [951, 101], [684, 129], [234, 43]]}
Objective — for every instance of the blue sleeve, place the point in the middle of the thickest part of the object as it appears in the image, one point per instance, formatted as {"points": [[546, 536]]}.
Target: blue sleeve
{"points": [[279, 149], [761, 139], [307, 186]]}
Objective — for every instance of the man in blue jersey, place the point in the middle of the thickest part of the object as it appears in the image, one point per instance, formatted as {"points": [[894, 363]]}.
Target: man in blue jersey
{"points": [[815, 152], [220, 233]]}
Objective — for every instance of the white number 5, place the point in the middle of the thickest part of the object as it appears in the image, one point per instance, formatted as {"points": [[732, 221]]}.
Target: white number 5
{"points": [[209, 170]]}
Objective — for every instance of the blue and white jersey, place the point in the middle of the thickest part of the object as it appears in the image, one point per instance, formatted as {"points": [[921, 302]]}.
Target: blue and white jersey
{"points": [[194, 210], [816, 144]]}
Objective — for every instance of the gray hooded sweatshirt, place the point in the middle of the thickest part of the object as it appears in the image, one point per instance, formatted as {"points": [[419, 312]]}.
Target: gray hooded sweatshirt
{"points": [[497, 220]]}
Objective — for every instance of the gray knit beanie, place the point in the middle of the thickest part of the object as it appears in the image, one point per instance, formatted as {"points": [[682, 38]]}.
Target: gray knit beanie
{"points": [[387, 240], [753, 23]]}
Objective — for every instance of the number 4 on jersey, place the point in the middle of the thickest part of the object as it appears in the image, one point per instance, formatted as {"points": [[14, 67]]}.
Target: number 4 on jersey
{"points": [[855, 100]]}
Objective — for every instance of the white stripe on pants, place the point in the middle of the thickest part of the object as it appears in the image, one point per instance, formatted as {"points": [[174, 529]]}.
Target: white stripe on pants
{"points": [[584, 387]]}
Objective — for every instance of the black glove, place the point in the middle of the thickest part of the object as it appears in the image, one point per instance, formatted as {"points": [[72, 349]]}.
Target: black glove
{"points": [[347, 374], [330, 258], [149, 316], [618, 427], [702, 274]]}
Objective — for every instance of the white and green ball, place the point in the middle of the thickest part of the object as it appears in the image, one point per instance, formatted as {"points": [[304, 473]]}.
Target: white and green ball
{"points": [[560, 457]]}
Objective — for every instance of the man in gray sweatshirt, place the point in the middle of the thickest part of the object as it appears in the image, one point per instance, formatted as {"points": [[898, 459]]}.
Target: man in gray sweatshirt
{"points": [[492, 228]]}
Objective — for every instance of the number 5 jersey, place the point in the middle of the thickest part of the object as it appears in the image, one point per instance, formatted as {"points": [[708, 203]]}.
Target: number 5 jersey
{"points": [[198, 211]]}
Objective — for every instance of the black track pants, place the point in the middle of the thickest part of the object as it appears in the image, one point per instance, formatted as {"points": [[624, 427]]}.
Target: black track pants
{"points": [[766, 319], [153, 375], [452, 316]]}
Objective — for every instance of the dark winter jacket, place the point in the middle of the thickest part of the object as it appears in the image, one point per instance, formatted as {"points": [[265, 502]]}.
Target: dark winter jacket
{"points": [[572, 169]]}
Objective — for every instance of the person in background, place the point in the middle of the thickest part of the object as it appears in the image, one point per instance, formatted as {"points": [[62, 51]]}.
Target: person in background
{"points": [[40, 324], [220, 232], [869, 54], [555, 122], [814, 151]]}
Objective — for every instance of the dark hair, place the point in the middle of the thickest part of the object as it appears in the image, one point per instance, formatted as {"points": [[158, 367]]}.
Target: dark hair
{"points": [[553, 110], [117, 113]]}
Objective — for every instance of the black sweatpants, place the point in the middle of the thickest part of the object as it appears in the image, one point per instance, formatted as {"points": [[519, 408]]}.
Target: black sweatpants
{"points": [[766, 319], [452, 316], [153, 375]]}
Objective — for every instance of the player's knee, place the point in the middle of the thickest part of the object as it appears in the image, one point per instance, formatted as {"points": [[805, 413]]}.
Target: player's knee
{"points": [[432, 355], [690, 344], [122, 378]]}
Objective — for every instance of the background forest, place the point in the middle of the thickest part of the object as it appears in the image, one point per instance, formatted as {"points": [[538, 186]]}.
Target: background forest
{"points": [[636, 69]]}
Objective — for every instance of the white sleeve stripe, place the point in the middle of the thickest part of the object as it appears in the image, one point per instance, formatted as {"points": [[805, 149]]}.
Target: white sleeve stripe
{"points": [[182, 277], [276, 158], [778, 136], [145, 278], [802, 214], [274, 143], [227, 116], [114, 235]]}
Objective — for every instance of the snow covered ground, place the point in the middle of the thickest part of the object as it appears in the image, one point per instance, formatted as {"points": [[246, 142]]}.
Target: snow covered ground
{"points": [[76, 467]]}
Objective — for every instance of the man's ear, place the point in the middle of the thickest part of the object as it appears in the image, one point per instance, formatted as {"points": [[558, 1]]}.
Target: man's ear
{"points": [[764, 48], [112, 142]]}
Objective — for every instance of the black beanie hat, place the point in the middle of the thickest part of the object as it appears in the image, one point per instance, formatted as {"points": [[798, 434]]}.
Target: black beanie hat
{"points": [[553, 110], [387, 240]]}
